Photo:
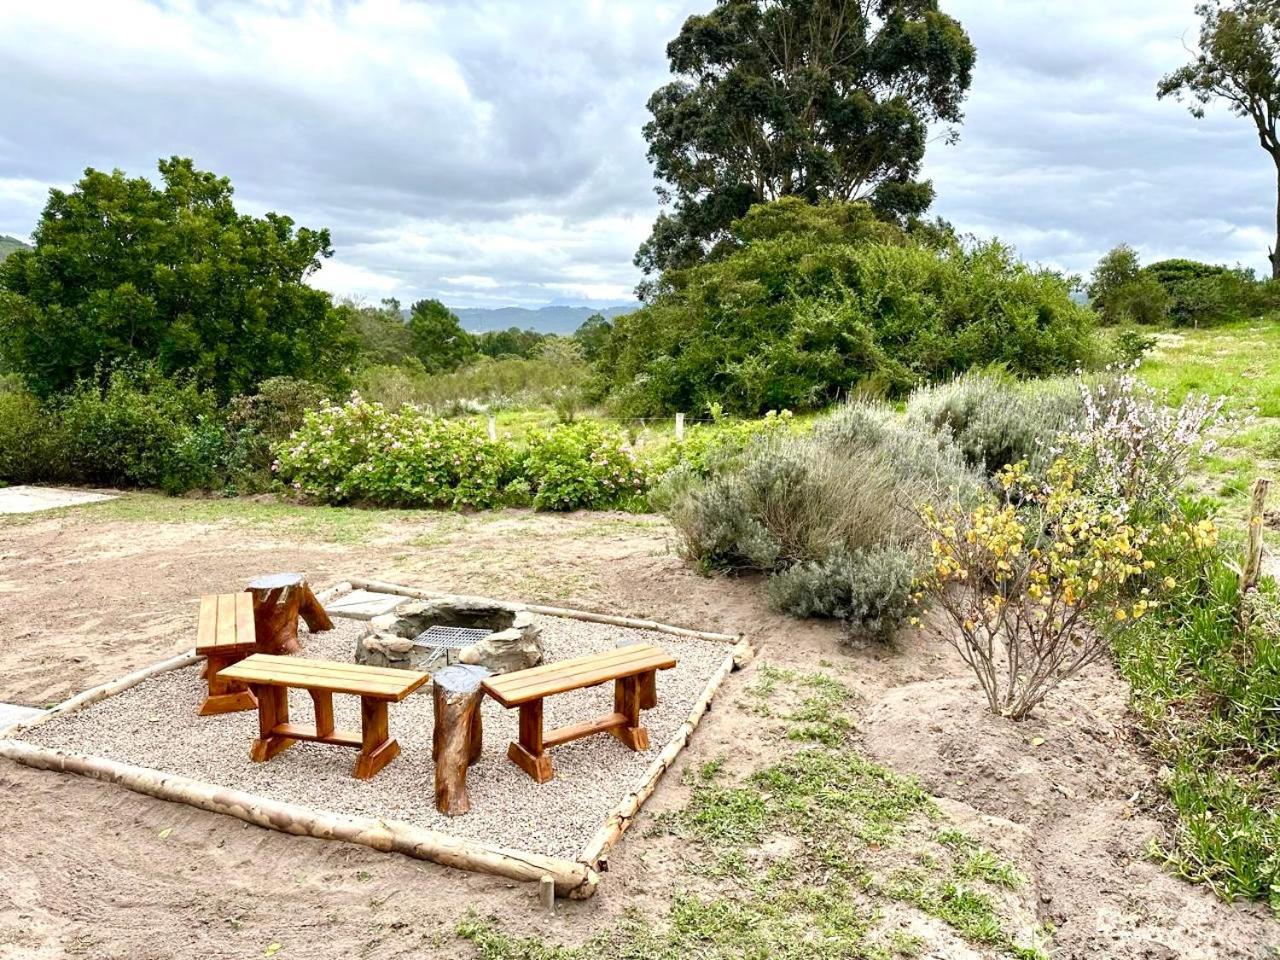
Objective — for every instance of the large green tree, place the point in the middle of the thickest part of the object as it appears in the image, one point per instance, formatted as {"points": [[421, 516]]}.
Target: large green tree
{"points": [[438, 338], [123, 270], [1238, 63], [819, 99]]}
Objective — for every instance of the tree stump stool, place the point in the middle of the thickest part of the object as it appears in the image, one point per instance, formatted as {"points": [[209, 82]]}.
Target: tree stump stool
{"points": [[457, 737], [278, 601]]}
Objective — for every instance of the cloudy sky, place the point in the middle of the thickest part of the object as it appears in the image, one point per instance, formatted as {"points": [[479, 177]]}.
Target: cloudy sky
{"points": [[489, 153]]}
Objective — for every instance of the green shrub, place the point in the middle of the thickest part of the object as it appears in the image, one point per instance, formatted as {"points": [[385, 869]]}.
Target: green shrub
{"points": [[1202, 294], [1130, 345], [360, 451], [256, 423], [869, 589], [996, 421], [137, 430], [1207, 697], [831, 517], [583, 465], [558, 373], [31, 447], [799, 320]]}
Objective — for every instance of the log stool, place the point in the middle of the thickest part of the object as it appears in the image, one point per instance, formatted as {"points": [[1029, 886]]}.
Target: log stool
{"points": [[457, 737], [278, 601]]}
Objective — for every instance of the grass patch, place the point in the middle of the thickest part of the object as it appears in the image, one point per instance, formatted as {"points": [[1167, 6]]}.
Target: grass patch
{"points": [[324, 524], [1239, 361], [1208, 698], [820, 893]]}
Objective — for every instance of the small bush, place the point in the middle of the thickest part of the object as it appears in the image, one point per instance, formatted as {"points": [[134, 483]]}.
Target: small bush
{"points": [[1130, 448], [583, 465], [1206, 695], [31, 448], [256, 423], [869, 589], [996, 421], [1020, 580], [360, 451], [138, 430], [830, 517]]}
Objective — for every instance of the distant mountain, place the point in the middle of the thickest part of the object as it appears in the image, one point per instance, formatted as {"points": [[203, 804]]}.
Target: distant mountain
{"points": [[553, 319], [9, 244]]}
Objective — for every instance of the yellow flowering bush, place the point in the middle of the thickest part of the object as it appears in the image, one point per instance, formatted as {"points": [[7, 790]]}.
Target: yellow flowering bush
{"points": [[1021, 577]]}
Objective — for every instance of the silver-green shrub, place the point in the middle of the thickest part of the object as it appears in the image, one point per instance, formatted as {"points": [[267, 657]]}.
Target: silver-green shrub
{"points": [[831, 518], [996, 421], [868, 589]]}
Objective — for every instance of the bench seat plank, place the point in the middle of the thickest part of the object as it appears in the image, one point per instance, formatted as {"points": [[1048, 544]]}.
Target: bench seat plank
{"points": [[632, 669], [379, 683], [513, 689], [225, 624]]}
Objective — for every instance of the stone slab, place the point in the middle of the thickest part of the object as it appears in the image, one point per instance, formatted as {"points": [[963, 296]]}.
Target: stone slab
{"points": [[363, 604], [32, 499], [11, 713]]}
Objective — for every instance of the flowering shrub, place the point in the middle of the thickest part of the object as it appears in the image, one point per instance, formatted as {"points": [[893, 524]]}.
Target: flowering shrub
{"points": [[1019, 581], [1129, 447], [362, 451], [583, 464]]}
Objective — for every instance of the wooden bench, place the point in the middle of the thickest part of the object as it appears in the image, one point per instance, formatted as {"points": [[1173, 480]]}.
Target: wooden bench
{"points": [[225, 635], [633, 669], [271, 677]]}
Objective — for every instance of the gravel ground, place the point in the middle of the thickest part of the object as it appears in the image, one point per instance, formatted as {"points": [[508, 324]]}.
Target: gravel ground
{"points": [[155, 725]]}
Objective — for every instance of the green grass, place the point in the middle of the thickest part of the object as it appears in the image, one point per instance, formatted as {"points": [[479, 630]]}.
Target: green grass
{"points": [[1208, 696], [839, 826], [1239, 361], [344, 525]]}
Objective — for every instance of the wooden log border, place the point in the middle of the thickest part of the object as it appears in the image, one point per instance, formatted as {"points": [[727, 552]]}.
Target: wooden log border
{"points": [[573, 879]]}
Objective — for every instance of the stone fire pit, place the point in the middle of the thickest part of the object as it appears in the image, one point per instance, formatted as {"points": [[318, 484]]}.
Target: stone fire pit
{"points": [[513, 645]]}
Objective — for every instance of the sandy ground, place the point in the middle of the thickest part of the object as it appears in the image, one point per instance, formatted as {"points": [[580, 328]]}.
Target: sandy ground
{"points": [[91, 870]]}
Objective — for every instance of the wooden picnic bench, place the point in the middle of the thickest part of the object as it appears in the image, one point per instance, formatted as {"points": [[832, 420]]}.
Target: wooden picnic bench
{"points": [[633, 669], [271, 677], [225, 635]]}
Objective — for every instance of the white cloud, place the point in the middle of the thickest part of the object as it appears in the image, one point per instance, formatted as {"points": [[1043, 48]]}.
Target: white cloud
{"points": [[490, 152]]}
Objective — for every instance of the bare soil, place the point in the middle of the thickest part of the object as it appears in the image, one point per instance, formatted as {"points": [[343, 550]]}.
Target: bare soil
{"points": [[91, 870]]}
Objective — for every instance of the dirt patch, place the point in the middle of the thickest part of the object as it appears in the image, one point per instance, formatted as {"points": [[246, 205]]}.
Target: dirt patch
{"points": [[88, 873], [1069, 793]]}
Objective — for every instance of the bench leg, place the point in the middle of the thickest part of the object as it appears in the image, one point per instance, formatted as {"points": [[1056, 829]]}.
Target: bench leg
{"points": [[648, 690], [273, 709], [323, 700], [225, 696], [626, 701], [528, 754], [378, 748]]}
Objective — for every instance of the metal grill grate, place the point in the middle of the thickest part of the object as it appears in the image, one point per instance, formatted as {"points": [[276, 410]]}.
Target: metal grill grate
{"points": [[441, 640]]}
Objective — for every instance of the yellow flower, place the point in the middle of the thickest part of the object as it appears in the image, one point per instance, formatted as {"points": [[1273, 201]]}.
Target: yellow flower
{"points": [[1121, 615]]}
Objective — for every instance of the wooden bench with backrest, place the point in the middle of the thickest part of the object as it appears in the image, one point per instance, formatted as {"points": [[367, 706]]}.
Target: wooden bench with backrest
{"points": [[633, 670], [272, 677], [225, 635]]}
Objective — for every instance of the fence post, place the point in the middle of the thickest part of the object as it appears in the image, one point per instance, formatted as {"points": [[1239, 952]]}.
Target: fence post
{"points": [[679, 428], [493, 429], [1251, 569]]}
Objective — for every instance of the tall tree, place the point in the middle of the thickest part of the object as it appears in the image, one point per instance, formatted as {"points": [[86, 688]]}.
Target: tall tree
{"points": [[438, 338], [1238, 63], [123, 270], [819, 99]]}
